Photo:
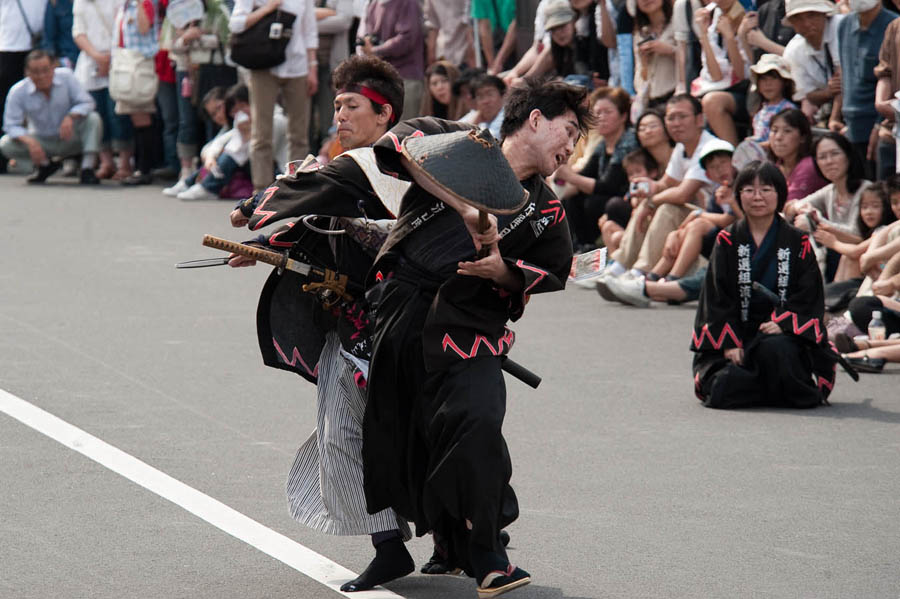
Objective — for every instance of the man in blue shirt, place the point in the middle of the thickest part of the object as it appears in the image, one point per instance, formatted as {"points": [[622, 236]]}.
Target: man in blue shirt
{"points": [[60, 118], [859, 38]]}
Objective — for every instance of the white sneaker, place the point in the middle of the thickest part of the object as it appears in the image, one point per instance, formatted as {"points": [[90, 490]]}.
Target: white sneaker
{"points": [[629, 291], [197, 192], [176, 189]]}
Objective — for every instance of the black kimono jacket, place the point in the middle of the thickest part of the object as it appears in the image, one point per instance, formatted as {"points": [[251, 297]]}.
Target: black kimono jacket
{"points": [[730, 311]]}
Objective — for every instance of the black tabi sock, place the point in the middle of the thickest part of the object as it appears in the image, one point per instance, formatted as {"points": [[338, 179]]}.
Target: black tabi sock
{"points": [[391, 561]]}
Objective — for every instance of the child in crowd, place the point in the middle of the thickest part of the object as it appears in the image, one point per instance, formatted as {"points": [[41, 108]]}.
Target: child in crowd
{"points": [[874, 213], [638, 164], [771, 79], [695, 236]]}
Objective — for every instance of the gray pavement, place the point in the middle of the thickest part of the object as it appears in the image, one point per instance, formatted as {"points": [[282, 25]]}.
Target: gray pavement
{"points": [[627, 486]]}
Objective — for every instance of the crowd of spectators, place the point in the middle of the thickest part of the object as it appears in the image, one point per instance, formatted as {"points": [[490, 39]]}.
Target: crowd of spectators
{"points": [[685, 94]]}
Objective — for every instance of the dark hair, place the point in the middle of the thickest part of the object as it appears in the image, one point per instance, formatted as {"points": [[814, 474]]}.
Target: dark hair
{"points": [[617, 96], [214, 93], [796, 119], [37, 55], [446, 69], [893, 184], [552, 98], [662, 119], [236, 93], [711, 155], [641, 157], [787, 90], [374, 73], [698, 107], [856, 170], [641, 19], [767, 174], [465, 78], [487, 81], [880, 189]]}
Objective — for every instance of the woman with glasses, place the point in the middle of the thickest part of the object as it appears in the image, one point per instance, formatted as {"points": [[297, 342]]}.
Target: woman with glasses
{"points": [[758, 334]]}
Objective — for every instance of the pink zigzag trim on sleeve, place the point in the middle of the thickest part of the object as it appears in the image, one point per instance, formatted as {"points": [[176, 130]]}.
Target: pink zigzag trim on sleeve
{"points": [[823, 382], [812, 323], [723, 236], [295, 357], [704, 332], [542, 273], [556, 208], [273, 240], [267, 214], [508, 339]]}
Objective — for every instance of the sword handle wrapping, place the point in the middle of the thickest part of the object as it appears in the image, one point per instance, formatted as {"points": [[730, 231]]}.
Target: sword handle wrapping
{"points": [[261, 255], [483, 225]]}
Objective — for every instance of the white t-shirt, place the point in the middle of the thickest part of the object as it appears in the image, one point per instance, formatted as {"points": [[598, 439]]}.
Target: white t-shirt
{"points": [[13, 33], [304, 35], [809, 67], [683, 167]]}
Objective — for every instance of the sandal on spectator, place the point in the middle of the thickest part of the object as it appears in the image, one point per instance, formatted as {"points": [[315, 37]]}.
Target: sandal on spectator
{"points": [[120, 175], [502, 581], [106, 171], [866, 364], [845, 343]]}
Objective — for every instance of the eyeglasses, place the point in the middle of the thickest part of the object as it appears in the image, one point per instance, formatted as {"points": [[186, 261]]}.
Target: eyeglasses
{"points": [[765, 190]]}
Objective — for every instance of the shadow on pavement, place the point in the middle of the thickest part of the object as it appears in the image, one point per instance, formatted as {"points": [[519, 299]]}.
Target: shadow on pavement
{"points": [[438, 587]]}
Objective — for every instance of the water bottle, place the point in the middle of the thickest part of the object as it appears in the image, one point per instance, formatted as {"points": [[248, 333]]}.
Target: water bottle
{"points": [[876, 327]]}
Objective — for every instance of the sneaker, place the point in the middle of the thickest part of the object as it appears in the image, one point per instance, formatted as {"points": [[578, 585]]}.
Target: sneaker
{"points": [[70, 168], [88, 177], [43, 172], [502, 581], [197, 192], [173, 191], [601, 284], [629, 291]]}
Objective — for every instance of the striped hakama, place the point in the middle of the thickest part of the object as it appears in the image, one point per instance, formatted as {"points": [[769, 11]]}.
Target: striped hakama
{"points": [[325, 486]]}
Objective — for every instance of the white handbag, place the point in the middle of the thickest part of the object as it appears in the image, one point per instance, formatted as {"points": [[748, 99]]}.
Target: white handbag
{"points": [[132, 77]]}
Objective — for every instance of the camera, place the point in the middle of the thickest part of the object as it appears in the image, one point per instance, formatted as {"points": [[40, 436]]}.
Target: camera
{"points": [[642, 185], [373, 39]]}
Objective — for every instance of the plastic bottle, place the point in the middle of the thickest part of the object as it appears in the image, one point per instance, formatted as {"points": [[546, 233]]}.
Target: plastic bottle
{"points": [[876, 327]]}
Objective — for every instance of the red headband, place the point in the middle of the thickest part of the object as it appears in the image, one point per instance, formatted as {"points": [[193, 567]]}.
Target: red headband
{"points": [[372, 95]]}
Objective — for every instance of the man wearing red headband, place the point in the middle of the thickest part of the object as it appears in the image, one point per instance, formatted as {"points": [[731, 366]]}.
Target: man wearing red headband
{"points": [[329, 346]]}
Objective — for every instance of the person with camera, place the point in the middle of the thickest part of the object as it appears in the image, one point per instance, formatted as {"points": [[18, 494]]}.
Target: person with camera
{"points": [[296, 78], [393, 31]]}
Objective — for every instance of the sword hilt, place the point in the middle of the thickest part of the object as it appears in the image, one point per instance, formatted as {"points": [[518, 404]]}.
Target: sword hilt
{"points": [[258, 254]]}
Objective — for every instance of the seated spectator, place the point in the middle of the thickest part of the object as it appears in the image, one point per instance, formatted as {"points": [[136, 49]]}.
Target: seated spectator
{"points": [[48, 117], [669, 200], [874, 213], [758, 335], [860, 35], [639, 166], [488, 91], [765, 32], [92, 28], [656, 146], [462, 92], [790, 142], [228, 153], [873, 355], [771, 79], [813, 53], [723, 80], [559, 56], [654, 47], [694, 236], [886, 298], [438, 100], [835, 207], [888, 73], [603, 177]]}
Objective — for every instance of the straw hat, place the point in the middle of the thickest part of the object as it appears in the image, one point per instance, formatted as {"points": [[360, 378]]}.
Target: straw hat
{"points": [[795, 7], [556, 13], [467, 165]]}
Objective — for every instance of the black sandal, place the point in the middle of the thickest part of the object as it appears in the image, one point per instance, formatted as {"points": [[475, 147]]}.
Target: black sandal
{"points": [[867, 364]]}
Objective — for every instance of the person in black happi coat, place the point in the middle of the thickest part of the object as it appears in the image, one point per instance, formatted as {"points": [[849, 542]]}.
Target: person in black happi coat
{"points": [[758, 335], [432, 443]]}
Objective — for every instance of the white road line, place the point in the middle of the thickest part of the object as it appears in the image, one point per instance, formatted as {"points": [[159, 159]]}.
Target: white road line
{"points": [[285, 550]]}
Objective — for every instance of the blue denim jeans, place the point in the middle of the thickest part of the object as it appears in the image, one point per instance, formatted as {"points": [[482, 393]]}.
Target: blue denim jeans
{"points": [[227, 167], [116, 127], [167, 100], [187, 120]]}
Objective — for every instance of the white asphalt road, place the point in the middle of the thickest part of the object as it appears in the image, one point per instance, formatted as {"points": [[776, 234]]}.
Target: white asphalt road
{"points": [[627, 487]]}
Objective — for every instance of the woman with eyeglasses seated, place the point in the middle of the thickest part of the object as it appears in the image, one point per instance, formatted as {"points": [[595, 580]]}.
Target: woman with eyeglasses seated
{"points": [[758, 334]]}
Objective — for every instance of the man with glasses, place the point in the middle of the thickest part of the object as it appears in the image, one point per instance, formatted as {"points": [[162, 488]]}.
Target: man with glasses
{"points": [[488, 91], [49, 116], [668, 201]]}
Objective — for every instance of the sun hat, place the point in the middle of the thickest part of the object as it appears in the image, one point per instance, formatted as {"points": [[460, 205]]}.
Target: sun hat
{"points": [[768, 63], [795, 7], [556, 13], [713, 146], [468, 165]]}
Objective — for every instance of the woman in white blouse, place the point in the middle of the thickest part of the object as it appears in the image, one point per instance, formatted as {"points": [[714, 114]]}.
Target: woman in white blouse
{"points": [[296, 78], [92, 30]]}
